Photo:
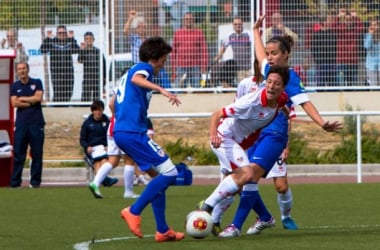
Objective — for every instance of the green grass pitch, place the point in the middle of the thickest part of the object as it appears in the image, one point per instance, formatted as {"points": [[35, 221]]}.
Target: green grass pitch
{"points": [[330, 216]]}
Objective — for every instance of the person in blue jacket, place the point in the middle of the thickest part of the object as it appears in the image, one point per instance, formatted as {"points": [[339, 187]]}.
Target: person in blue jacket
{"points": [[93, 138]]}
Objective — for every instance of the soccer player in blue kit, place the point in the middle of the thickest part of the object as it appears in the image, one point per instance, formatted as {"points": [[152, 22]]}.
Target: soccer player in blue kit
{"points": [[130, 134], [276, 53]]}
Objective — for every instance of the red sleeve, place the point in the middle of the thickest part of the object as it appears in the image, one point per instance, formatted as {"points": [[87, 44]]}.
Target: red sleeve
{"points": [[282, 99]]}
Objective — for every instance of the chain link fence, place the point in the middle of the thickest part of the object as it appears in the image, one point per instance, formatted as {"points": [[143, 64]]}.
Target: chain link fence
{"points": [[79, 48]]}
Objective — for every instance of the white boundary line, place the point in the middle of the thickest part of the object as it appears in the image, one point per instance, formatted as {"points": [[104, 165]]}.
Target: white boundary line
{"points": [[86, 244], [341, 227]]}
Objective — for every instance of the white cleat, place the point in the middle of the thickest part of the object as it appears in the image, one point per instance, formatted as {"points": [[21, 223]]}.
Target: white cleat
{"points": [[130, 195], [230, 231], [261, 225]]}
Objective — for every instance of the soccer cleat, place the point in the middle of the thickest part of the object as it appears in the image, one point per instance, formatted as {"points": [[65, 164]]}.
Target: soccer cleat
{"points": [[133, 221], [109, 182], [95, 190], [216, 229], [130, 195], [289, 224], [170, 235], [261, 225], [203, 206], [230, 231]]}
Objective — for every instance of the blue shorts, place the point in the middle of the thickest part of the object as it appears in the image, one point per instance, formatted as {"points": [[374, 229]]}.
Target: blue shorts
{"points": [[143, 150], [267, 149]]}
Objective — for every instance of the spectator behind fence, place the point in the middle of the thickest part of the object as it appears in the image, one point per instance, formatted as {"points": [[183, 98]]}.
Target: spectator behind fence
{"points": [[372, 46], [26, 95], [323, 49], [177, 9], [278, 28], [61, 48], [189, 58], [93, 78], [11, 42], [349, 31], [93, 138], [240, 41], [135, 30]]}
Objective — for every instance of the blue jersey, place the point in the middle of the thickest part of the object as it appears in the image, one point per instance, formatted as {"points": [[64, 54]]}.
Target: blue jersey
{"points": [[297, 95], [132, 101]]}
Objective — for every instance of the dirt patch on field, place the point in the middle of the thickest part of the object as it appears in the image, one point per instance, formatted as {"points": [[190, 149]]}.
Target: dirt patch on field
{"points": [[62, 138]]}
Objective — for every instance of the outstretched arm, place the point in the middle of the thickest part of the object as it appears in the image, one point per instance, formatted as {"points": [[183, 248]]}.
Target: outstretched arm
{"points": [[258, 42], [313, 113], [132, 15], [144, 83]]}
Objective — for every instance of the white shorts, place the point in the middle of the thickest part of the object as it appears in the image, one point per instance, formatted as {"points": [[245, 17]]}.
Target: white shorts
{"points": [[230, 155], [278, 170], [112, 148]]}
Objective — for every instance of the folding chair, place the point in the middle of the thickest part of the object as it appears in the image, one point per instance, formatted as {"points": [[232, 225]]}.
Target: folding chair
{"points": [[90, 173]]}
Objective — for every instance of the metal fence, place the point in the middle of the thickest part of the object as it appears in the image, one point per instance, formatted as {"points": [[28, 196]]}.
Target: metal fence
{"points": [[337, 44]]}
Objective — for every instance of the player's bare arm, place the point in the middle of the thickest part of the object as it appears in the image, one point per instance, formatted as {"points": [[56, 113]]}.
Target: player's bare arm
{"points": [[313, 113], [215, 140], [141, 81]]}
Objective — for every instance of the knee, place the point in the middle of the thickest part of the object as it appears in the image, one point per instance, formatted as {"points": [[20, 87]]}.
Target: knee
{"points": [[281, 188], [281, 185], [243, 176]]}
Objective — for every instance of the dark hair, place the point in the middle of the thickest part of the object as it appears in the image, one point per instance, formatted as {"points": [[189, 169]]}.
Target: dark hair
{"points": [[89, 33], [282, 71], [285, 42], [153, 48], [23, 62], [61, 27], [97, 105]]}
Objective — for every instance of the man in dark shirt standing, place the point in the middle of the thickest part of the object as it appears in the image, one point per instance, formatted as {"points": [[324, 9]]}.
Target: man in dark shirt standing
{"points": [[26, 96], [91, 58], [61, 49]]}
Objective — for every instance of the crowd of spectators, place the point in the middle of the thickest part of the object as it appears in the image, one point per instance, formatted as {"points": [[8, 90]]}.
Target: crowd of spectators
{"points": [[337, 48]]}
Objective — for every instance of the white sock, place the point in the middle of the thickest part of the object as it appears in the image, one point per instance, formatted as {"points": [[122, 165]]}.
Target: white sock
{"points": [[285, 202], [226, 187], [103, 171], [129, 171], [221, 208], [143, 179]]}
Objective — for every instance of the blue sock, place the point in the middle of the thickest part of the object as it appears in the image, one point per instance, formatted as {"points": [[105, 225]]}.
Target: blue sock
{"points": [[158, 207], [261, 210], [247, 200], [156, 186]]}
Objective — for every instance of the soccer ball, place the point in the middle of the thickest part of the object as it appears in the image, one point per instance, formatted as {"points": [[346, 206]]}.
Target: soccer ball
{"points": [[198, 224]]}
